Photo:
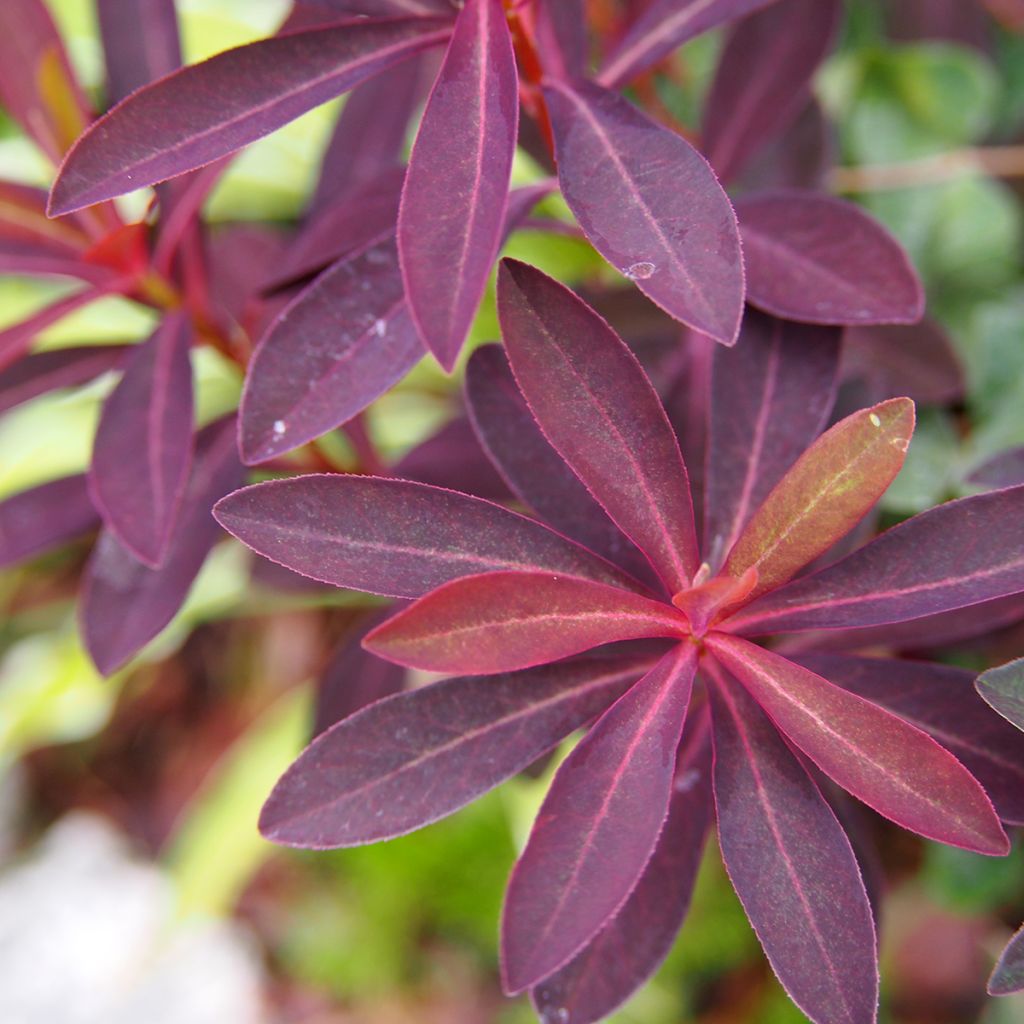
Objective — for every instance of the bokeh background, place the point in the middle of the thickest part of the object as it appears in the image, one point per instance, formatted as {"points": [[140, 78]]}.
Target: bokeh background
{"points": [[133, 884]]}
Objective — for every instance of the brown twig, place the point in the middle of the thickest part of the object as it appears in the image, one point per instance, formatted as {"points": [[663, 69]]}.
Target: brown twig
{"points": [[989, 161]]}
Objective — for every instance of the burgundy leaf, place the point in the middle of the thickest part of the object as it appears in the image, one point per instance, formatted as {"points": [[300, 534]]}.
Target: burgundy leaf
{"points": [[393, 537], [124, 604], [144, 443], [532, 468], [821, 260], [353, 678], [598, 826], [1004, 470], [627, 951], [651, 205], [205, 111], [456, 187], [309, 13], [62, 368], [958, 554], [410, 759], [596, 406], [892, 766], [799, 158], [504, 621], [140, 43], [664, 26], [1008, 975], [770, 397], [562, 42], [942, 702], [341, 343], [43, 517], [792, 867], [1003, 688], [763, 78]]}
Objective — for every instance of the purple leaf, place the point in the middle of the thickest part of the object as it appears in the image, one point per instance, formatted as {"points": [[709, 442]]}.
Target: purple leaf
{"points": [[393, 537], [599, 411], [124, 604], [799, 158], [504, 621], [353, 678], [44, 517], [309, 13], [1004, 470], [792, 867], [770, 397], [62, 368], [456, 187], [1003, 688], [341, 343], [958, 554], [529, 464], [143, 444], [763, 78], [664, 26], [562, 43], [821, 260], [203, 112], [1008, 975], [140, 43], [598, 826], [892, 766], [627, 951], [407, 760], [650, 204], [943, 703]]}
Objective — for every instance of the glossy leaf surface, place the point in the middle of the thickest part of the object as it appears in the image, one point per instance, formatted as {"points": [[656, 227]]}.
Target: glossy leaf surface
{"points": [[1003, 688], [393, 537], [207, 110], [597, 827], [503, 621], [823, 496], [1008, 976], [43, 517], [892, 766], [792, 866], [821, 260], [651, 206], [143, 444], [415, 757], [460, 166], [596, 406]]}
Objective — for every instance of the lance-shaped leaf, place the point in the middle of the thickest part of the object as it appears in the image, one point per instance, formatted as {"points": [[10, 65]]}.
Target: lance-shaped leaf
{"points": [[562, 42], [37, 86], [307, 13], [341, 343], [144, 443], [823, 496], [43, 517], [124, 604], [503, 621], [821, 260], [770, 398], [1003, 470], [889, 764], [792, 866], [598, 825], [410, 759], [1008, 975], [958, 554], [763, 78], [394, 537], [941, 701], [664, 26], [62, 368], [203, 112], [456, 187], [596, 406], [532, 468], [1003, 688], [140, 43], [651, 206], [628, 950], [799, 158]]}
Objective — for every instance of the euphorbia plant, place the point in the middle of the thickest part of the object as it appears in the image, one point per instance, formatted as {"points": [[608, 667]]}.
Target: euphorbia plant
{"points": [[685, 651]]}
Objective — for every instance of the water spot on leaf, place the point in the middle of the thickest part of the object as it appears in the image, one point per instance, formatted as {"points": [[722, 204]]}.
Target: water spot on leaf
{"points": [[687, 780], [380, 328], [279, 428], [639, 271], [875, 421]]}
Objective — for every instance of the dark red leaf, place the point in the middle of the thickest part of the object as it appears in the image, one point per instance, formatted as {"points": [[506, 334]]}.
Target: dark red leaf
{"points": [[562, 42], [140, 43], [651, 205], [62, 368], [1003, 688], [1004, 470], [1008, 975], [799, 158], [598, 826], [44, 517], [410, 759]]}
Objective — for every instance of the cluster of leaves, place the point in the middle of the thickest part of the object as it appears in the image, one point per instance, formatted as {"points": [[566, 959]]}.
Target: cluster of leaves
{"points": [[684, 576]]}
